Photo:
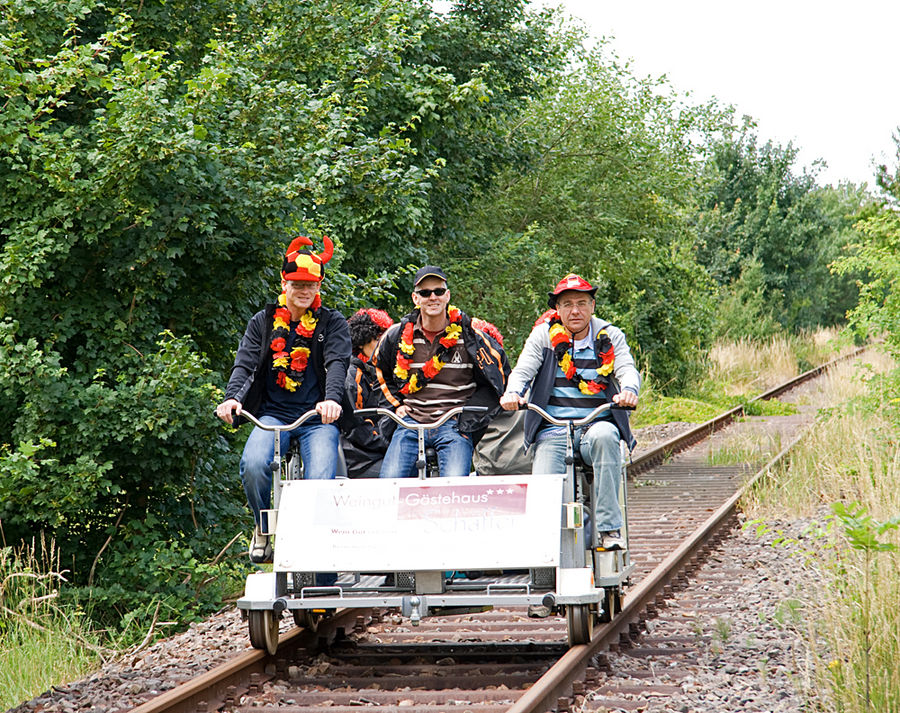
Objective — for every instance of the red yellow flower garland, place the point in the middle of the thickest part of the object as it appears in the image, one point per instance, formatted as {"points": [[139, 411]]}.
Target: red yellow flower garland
{"points": [[433, 366], [289, 367], [561, 341]]}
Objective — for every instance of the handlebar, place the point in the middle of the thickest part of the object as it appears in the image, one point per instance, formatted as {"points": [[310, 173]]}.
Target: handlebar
{"points": [[277, 426], [602, 408], [414, 426]]}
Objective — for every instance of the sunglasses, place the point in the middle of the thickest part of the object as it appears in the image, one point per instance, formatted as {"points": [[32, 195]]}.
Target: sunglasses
{"points": [[437, 292]]}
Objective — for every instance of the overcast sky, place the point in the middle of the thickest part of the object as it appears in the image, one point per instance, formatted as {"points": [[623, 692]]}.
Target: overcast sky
{"points": [[821, 74]]}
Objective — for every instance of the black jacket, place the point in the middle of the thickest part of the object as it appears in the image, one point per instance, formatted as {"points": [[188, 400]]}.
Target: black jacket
{"points": [[365, 440], [373, 433], [329, 356], [490, 368]]}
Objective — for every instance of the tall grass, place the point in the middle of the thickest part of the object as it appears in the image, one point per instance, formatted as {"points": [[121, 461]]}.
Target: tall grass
{"points": [[42, 642], [744, 447], [748, 366], [846, 474], [737, 371]]}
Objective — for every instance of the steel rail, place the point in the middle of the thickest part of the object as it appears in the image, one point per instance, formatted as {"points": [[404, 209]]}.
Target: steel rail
{"points": [[217, 685], [557, 680]]}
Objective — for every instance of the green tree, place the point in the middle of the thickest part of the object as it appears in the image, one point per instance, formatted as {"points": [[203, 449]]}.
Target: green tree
{"points": [[155, 156], [608, 194], [758, 213], [876, 255]]}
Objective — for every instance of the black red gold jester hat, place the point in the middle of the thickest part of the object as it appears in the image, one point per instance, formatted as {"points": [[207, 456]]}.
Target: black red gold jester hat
{"points": [[301, 263]]}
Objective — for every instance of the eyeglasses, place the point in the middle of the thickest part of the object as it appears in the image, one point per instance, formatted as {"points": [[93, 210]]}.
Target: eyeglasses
{"points": [[437, 292], [297, 285], [580, 304]]}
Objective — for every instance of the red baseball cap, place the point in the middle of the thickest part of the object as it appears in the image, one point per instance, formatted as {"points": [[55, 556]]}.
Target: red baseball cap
{"points": [[570, 282]]}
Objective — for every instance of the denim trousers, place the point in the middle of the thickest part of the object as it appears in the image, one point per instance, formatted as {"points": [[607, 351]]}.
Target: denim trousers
{"points": [[319, 445], [454, 451], [599, 447]]}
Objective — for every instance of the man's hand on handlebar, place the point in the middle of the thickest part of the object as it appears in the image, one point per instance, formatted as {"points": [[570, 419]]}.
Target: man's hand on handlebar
{"points": [[511, 402], [329, 411], [228, 409], [626, 398], [402, 410]]}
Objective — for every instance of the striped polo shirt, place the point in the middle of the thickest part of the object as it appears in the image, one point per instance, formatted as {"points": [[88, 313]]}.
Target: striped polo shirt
{"points": [[452, 386], [566, 401]]}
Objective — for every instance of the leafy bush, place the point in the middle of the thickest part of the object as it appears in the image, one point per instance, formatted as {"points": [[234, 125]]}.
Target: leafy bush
{"points": [[155, 157], [125, 466]]}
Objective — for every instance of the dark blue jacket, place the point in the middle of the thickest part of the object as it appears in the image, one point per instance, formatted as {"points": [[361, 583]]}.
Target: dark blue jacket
{"points": [[329, 356]]}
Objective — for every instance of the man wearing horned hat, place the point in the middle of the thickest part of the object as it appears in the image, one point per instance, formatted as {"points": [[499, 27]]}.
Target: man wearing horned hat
{"points": [[292, 358]]}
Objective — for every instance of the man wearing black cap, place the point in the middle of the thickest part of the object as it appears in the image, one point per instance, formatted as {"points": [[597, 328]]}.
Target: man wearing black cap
{"points": [[431, 361], [292, 358], [573, 362]]}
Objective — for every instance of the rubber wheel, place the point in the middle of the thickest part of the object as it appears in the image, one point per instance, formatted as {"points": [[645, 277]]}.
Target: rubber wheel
{"points": [[306, 619], [612, 603], [579, 623], [263, 630]]}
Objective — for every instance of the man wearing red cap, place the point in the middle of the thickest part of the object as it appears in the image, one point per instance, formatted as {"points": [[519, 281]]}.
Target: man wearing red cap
{"points": [[292, 358], [573, 362], [433, 360]]}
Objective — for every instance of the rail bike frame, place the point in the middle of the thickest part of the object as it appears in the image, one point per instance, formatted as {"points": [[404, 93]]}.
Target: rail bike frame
{"points": [[430, 546]]}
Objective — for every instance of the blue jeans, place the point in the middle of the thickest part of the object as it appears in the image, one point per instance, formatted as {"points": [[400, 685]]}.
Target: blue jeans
{"points": [[454, 451], [599, 447], [319, 445]]}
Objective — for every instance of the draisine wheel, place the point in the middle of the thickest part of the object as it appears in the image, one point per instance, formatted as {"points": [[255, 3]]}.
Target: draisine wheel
{"points": [[306, 619], [263, 630], [612, 603], [579, 623]]}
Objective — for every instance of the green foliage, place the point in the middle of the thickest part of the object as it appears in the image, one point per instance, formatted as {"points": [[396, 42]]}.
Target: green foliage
{"points": [[744, 308], [126, 468], [607, 194], [658, 408], [877, 254], [864, 532], [768, 407], [767, 236]]}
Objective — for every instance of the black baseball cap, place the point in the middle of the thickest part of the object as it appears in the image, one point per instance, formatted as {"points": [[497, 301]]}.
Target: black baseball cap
{"points": [[429, 271]]}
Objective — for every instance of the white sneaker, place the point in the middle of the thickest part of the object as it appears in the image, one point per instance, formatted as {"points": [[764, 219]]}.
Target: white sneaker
{"points": [[260, 547], [612, 540]]}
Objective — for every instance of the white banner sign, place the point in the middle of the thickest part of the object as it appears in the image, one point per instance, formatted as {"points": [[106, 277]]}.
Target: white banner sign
{"points": [[372, 525]]}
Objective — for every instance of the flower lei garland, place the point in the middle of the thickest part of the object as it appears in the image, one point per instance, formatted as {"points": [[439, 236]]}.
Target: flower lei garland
{"points": [[289, 367], [433, 366], [561, 342]]}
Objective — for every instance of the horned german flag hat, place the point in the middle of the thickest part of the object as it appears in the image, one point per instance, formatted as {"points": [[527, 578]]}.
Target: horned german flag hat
{"points": [[301, 263]]}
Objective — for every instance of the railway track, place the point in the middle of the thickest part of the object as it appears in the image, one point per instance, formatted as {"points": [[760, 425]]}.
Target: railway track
{"points": [[680, 508]]}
